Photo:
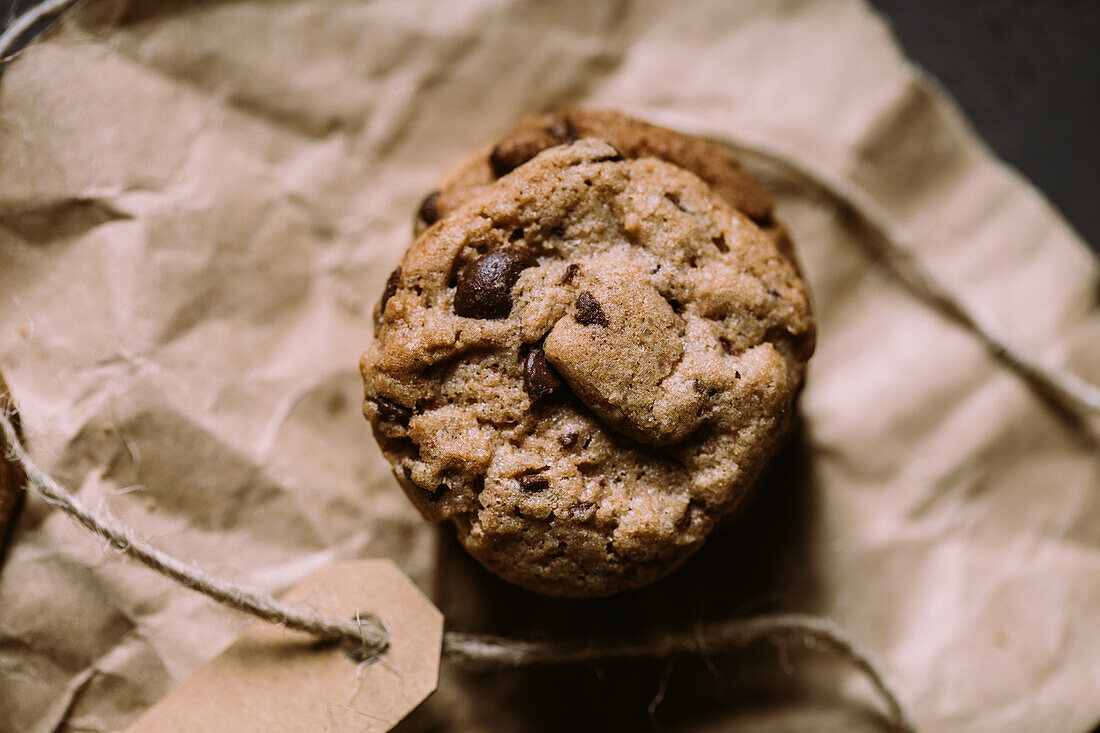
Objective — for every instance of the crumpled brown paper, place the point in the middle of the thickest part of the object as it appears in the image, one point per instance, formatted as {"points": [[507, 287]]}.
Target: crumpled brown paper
{"points": [[198, 203], [11, 477]]}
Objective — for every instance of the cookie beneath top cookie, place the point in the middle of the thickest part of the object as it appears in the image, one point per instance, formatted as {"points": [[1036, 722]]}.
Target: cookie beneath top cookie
{"points": [[585, 365], [631, 137]]}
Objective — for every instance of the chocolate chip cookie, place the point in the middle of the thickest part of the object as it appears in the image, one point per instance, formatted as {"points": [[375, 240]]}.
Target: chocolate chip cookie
{"points": [[633, 138], [584, 367]]}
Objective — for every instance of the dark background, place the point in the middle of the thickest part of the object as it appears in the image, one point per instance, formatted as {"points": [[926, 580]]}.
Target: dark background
{"points": [[1026, 73]]}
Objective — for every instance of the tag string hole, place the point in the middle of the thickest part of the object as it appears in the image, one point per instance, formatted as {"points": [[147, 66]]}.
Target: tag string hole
{"points": [[361, 651]]}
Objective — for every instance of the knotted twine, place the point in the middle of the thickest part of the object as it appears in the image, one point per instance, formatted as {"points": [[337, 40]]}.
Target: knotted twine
{"points": [[366, 638]]}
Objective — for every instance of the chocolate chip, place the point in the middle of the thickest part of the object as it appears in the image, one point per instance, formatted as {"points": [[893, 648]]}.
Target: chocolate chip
{"points": [[505, 158], [500, 161], [563, 131], [485, 285], [539, 378], [392, 412], [534, 484], [391, 287], [582, 510], [720, 243], [675, 199], [437, 493], [570, 272], [568, 440], [589, 312], [429, 212]]}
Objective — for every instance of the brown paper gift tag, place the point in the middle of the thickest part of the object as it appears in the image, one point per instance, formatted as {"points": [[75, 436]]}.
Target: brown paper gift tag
{"points": [[273, 679]]}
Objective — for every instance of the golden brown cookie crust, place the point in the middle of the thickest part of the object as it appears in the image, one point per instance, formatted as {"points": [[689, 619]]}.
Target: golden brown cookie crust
{"points": [[631, 137], [625, 355]]}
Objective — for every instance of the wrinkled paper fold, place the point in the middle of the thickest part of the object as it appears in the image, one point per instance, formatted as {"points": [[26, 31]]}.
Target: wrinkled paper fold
{"points": [[200, 203]]}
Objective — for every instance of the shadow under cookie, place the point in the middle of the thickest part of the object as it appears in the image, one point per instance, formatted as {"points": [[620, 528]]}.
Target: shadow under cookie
{"points": [[759, 561]]}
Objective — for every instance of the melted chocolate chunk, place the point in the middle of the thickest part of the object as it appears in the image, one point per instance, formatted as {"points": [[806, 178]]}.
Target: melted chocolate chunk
{"points": [[568, 440], [499, 161], [589, 312], [570, 272], [563, 131], [391, 287], [534, 484], [392, 412], [539, 378], [506, 158], [485, 285], [428, 212]]}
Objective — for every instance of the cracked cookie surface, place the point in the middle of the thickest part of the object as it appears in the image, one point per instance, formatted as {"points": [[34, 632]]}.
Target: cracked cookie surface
{"points": [[631, 137], [584, 366]]}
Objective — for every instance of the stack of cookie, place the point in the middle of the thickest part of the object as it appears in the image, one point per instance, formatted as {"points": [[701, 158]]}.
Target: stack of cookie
{"points": [[589, 351]]}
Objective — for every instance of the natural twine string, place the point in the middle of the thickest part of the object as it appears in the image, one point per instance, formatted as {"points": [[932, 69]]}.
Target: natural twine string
{"points": [[813, 632], [366, 638], [889, 244], [368, 635], [27, 20], [368, 632]]}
